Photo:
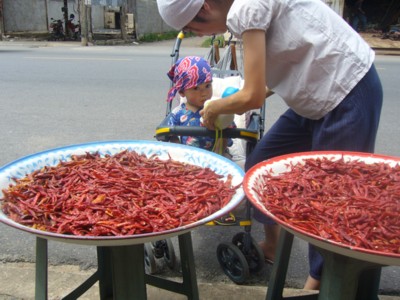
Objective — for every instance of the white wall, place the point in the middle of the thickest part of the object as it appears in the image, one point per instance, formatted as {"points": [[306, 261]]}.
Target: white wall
{"points": [[22, 15]]}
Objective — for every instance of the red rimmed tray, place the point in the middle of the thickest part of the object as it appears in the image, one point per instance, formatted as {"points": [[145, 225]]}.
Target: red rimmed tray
{"points": [[278, 165]]}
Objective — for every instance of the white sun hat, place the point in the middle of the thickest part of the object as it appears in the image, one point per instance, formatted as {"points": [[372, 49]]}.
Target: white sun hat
{"points": [[178, 13]]}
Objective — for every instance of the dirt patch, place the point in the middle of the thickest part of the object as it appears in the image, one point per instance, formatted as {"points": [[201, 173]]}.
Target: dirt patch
{"points": [[379, 40]]}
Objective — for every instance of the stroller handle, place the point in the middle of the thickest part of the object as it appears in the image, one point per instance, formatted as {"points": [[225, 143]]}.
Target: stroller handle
{"points": [[175, 56], [251, 134], [175, 51]]}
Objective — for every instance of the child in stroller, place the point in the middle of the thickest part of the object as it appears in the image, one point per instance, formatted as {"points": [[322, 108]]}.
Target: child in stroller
{"points": [[192, 79]]}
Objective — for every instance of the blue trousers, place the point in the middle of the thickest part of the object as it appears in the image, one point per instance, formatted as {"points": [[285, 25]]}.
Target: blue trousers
{"points": [[359, 18], [351, 126]]}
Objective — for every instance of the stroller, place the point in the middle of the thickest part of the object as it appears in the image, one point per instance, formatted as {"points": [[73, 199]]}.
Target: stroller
{"points": [[242, 256]]}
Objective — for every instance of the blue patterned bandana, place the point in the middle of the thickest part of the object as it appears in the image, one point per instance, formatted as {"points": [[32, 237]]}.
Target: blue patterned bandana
{"points": [[188, 73]]}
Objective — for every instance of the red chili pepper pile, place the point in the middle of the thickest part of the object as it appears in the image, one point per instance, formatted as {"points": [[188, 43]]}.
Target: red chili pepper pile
{"points": [[353, 203], [122, 194]]}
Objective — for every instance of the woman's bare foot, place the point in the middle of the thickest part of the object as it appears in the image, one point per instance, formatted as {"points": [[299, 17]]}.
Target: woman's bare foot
{"points": [[268, 246], [311, 284], [269, 252]]}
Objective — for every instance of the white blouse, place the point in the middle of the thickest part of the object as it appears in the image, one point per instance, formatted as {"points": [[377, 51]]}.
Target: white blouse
{"points": [[314, 58]]}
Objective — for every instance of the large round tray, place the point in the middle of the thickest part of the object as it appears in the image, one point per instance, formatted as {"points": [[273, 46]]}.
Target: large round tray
{"points": [[281, 164], [191, 155]]}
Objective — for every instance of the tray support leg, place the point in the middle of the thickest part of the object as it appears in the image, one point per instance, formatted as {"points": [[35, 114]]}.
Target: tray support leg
{"points": [[41, 269], [347, 278], [128, 272], [188, 286], [105, 272], [279, 269], [188, 266]]}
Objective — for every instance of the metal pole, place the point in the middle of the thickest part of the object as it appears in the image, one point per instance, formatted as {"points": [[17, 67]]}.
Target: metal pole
{"points": [[46, 3], [1, 21], [123, 21], [65, 10], [84, 23]]}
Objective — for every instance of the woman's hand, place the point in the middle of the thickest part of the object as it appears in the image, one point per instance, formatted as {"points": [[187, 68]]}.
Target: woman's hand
{"points": [[254, 91], [208, 115]]}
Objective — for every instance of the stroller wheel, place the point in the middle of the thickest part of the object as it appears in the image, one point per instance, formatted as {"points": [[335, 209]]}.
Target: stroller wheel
{"points": [[158, 248], [233, 262], [149, 259], [251, 251], [169, 254]]}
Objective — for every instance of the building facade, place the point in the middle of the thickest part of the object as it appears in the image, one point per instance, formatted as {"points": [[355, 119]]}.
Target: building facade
{"points": [[34, 16]]}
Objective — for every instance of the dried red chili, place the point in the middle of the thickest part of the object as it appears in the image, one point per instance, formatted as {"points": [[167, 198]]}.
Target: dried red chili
{"points": [[351, 202], [122, 194]]}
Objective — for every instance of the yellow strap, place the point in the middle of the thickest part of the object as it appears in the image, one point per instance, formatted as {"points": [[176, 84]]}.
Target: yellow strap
{"points": [[163, 130], [219, 143]]}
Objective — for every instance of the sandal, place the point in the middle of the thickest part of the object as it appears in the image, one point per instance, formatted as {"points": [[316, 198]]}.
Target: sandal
{"points": [[228, 219], [269, 261]]}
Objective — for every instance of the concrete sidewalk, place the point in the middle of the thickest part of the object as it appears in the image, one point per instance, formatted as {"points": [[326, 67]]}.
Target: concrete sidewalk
{"points": [[20, 285], [381, 46]]}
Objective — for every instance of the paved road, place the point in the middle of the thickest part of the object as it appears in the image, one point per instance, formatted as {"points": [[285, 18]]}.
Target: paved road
{"points": [[55, 96]]}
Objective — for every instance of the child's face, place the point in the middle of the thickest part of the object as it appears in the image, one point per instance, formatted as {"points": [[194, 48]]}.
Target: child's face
{"points": [[198, 95]]}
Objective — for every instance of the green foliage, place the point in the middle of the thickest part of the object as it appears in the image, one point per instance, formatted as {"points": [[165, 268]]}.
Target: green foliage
{"points": [[156, 37]]}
